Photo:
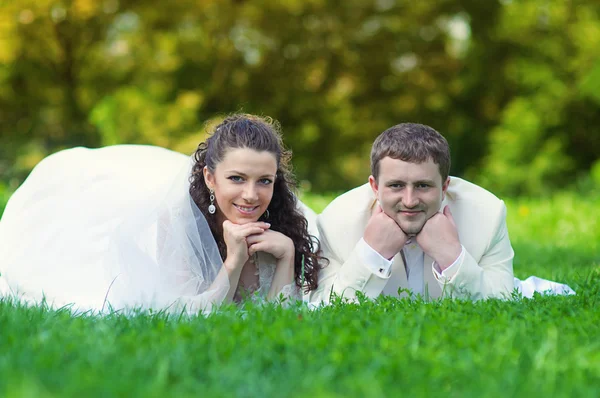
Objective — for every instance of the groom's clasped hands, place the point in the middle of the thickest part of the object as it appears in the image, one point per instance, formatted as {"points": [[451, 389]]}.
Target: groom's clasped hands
{"points": [[438, 238]]}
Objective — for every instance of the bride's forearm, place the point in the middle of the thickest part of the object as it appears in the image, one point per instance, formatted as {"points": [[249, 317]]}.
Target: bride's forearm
{"points": [[284, 275], [228, 275], [233, 273]]}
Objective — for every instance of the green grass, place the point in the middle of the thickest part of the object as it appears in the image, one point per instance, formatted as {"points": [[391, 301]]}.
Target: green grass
{"points": [[547, 346]]}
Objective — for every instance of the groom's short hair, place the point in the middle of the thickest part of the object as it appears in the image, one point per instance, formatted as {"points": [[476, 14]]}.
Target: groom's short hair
{"points": [[414, 143]]}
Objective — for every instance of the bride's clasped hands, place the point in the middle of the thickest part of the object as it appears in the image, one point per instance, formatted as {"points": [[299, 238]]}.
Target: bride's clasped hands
{"points": [[277, 244], [235, 237], [245, 241]]}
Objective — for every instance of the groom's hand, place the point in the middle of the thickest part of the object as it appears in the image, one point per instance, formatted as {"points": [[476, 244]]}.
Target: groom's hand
{"points": [[384, 235], [439, 239]]}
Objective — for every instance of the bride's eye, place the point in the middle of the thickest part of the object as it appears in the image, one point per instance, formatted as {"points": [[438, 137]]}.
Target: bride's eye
{"points": [[266, 181], [236, 178]]}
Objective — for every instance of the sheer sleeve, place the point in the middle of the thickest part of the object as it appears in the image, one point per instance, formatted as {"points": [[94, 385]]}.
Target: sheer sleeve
{"points": [[290, 293]]}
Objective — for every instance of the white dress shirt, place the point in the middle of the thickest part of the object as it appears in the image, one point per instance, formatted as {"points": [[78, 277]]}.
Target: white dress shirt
{"points": [[414, 264]]}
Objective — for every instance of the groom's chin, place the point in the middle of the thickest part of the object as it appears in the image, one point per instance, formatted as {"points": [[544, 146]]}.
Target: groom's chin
{"points": [[411, 229]]}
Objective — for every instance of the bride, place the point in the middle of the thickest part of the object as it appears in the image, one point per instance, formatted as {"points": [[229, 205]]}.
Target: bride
{"points": [[128, 226]]}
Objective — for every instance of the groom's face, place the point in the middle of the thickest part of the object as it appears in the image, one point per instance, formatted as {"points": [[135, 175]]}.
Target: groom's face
{"points": [[409, 193]]}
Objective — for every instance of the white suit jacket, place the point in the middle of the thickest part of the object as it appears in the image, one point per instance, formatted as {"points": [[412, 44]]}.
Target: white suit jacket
{"points": [[486, 269]]}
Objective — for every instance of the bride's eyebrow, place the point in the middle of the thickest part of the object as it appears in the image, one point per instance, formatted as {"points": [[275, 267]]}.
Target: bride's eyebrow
{"points": [[231, 172], [237, 173]]}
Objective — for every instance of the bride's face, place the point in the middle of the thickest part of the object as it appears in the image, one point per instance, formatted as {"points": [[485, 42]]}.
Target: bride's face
{"points": [[243, 184]]}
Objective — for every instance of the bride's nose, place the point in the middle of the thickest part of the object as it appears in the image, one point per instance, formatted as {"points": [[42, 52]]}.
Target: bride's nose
{"points": [[250, 193]]}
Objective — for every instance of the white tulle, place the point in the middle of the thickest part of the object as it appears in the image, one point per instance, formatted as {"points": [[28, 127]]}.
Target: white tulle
{"points": [[110, 229]]}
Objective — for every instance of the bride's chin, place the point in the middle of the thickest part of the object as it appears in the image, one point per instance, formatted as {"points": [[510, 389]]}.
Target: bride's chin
{"points": [[243, 221]]}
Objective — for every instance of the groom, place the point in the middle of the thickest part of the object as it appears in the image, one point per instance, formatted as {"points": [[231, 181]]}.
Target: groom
{"points": [[414, 227]]}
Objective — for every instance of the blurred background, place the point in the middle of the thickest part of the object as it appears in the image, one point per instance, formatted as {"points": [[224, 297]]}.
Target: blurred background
{"points": [[513, 85]]}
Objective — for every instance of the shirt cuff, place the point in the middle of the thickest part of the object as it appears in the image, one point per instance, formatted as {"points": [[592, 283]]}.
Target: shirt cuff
{"points": [[374, 261], [449, 273]]}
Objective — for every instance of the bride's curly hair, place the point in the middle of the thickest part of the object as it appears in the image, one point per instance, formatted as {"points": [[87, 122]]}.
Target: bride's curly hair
{"points": [[259, 134]]}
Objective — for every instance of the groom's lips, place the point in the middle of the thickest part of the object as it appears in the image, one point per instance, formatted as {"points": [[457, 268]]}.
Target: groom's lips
{"points": [[410, 213]]}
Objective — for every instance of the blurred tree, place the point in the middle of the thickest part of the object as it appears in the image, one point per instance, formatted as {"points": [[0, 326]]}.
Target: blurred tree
{"points": [[512, 84], [52, 72], [546, 130]]}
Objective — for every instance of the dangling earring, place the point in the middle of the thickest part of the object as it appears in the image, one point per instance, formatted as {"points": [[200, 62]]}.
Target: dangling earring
{"points": [[266, 214], [211, 208]]}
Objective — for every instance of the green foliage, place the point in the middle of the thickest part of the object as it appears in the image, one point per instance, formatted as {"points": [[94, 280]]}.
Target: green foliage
{"points": [[544, 133], [545, 346], [391, 347], [4, 196], [565, 220], [595, 174], [511, 84], [521, 160], [557, 238], [317, 202]]}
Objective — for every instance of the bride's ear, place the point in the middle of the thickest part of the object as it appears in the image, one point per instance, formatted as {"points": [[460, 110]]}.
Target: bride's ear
{"points": [[209, 178]]}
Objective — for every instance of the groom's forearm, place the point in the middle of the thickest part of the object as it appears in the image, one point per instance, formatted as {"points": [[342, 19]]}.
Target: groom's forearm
{"points": [[478, 281], [490, 276]]}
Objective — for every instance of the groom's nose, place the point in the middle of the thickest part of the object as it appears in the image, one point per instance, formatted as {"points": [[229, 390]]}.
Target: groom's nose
{"points": [[409, 199]]}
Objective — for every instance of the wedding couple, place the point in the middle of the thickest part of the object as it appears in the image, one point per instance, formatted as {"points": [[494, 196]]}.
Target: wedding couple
{"points": [[128, 227]]}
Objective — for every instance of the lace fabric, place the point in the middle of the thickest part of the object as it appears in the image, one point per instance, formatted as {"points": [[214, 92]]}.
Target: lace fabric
{"points": [[266, 266]]}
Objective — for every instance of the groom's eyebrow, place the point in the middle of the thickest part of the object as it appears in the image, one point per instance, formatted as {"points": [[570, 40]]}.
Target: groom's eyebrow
{"points": [[395, 182], [425, 181]]}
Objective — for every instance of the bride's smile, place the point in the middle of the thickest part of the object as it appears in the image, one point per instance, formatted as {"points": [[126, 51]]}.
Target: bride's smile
{"points": [[246, 210]]}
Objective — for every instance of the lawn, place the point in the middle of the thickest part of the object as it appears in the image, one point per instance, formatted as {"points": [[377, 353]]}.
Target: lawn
{"points": [[546, 346]]}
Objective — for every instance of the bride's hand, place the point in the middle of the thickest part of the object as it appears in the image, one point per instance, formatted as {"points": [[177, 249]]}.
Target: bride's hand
{"points": [[235, 236], [273, 242]]}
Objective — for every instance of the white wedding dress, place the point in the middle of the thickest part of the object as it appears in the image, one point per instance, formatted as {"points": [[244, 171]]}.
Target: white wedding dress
{"points": [[112, 229]]}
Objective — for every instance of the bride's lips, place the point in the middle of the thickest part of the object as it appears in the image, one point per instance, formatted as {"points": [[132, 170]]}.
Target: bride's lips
{"points": [[246, 210]]}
